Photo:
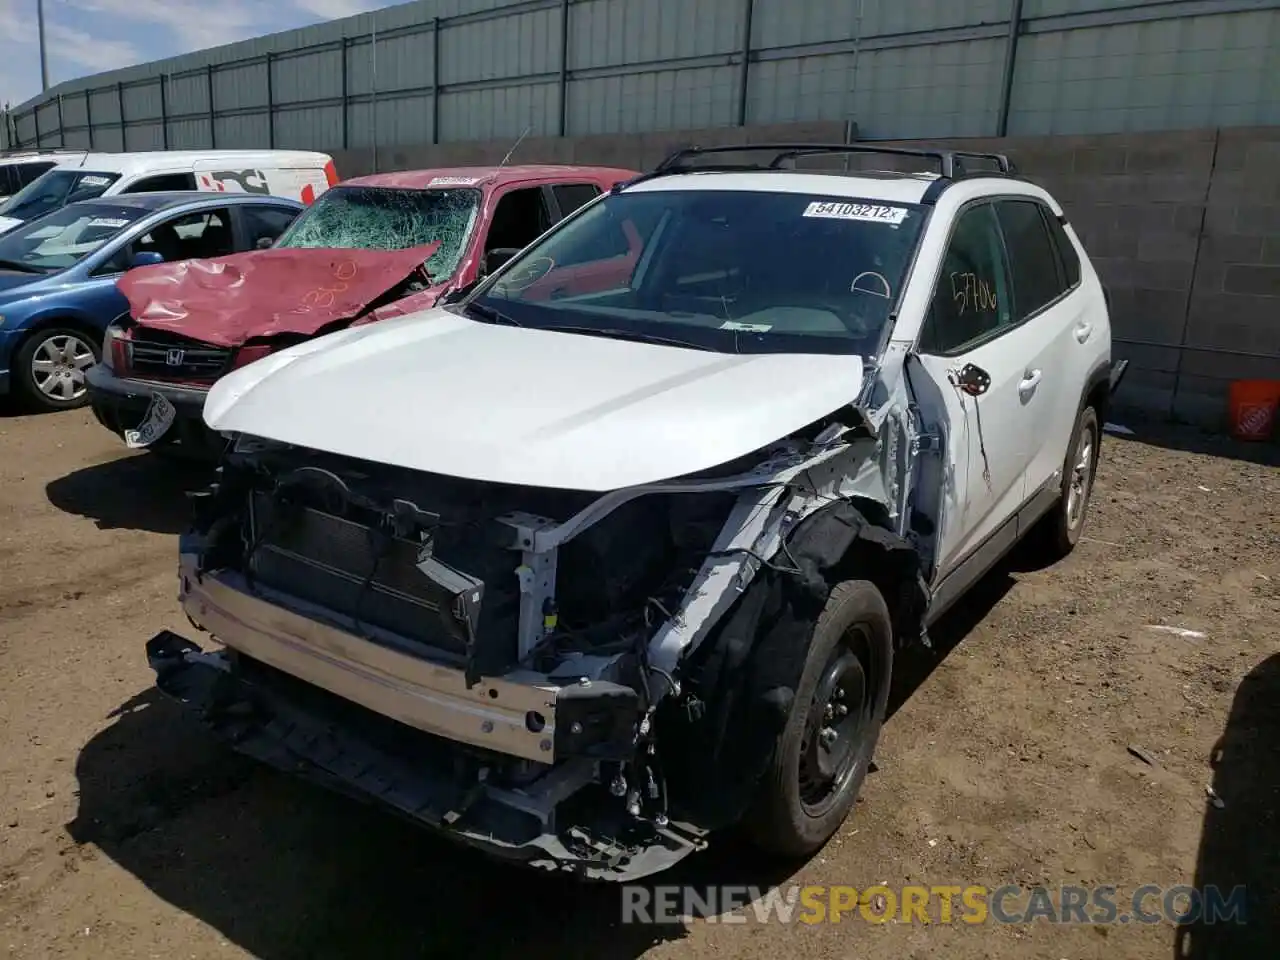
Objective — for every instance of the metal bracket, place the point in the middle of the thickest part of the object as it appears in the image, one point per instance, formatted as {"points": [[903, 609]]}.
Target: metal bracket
{"points": [[537, 578], [926, 443]]}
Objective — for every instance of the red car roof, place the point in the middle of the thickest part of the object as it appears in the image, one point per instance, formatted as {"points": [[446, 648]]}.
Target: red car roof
{"points": [[490, 176]]}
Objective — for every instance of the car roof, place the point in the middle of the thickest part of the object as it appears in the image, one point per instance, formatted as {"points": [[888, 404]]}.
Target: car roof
{"points": [[163, 200], [487, 176], [885, 185], [170, 160], [48, 153]]}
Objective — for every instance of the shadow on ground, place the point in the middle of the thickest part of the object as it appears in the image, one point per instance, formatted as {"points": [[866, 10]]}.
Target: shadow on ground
{"points": [[1172, 436], [1240, 841], [286, 870], [143, 492], [914, 666]]}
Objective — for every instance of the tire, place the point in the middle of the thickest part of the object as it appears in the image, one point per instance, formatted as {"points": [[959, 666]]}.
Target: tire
{"points": [[798, 809], [49, 368], [1060, 529]]}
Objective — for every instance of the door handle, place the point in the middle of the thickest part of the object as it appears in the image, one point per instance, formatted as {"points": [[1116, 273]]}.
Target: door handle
{"points": [[1084, 331], [1030, 380]]}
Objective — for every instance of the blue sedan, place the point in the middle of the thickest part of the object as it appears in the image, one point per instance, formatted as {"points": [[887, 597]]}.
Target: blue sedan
{"points": [[58, 275]]}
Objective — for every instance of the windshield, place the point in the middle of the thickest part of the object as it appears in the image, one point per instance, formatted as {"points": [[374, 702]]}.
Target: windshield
{"points": [[387, 218], [732, 271], [65, 237], [55, 189]]}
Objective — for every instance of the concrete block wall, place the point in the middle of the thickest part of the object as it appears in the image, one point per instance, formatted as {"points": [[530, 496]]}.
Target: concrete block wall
{"points": [[1184, 228]]}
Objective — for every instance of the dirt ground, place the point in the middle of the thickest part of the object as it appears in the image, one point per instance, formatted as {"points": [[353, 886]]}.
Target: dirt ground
{"points": [[124, 832]]}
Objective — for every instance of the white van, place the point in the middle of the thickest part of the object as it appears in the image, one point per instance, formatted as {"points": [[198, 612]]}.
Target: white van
{"points": [[20, 167], [297, 174]]}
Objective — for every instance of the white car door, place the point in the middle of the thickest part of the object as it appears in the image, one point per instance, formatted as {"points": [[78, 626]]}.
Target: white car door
{"points": [[973, 355], [1057, 327]]}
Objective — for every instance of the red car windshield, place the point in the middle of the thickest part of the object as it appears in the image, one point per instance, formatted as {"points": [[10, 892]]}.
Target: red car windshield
{"points": [[387, 218]]}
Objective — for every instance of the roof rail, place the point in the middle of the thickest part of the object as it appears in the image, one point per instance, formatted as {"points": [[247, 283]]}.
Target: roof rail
{"points": [[953, 164], [39, 151]]}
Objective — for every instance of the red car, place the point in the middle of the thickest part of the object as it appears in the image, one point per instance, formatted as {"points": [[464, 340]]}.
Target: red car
{"points": [[369, 248]]}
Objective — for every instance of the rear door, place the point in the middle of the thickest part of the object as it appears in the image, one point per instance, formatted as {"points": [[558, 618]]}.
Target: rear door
{"points": [[1044, 302], [973, 356]]}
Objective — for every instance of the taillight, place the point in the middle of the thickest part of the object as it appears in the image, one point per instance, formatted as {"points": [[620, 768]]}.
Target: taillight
{"points": [[246, 355]]}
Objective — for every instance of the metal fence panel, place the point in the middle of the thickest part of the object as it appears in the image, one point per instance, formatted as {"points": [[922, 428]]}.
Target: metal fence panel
{"points": [[297, 128], [456, 70]]}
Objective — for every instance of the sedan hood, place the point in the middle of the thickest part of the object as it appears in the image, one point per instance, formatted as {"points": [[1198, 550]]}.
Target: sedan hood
{"points": [[13, 282], [264, 293], [445, 394]]}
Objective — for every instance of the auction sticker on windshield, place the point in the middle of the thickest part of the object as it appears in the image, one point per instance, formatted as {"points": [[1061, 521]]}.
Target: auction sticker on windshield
{"points": [[159, 418], [453, 181], [868, 212], [90, 180]]}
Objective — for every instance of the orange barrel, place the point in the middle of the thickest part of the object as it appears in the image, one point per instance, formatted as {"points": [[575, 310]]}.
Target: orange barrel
{"points": [[1253, 405]]}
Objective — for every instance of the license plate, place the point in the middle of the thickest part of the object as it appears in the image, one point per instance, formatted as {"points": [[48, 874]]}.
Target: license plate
{"points": [[159, 418]]}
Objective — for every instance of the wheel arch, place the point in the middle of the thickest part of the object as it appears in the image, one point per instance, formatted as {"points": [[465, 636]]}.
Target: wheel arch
{"points": [[1097, 393], [739, 684], [55, 319]]}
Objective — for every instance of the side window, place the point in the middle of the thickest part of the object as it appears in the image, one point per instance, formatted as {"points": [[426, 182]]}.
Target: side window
{"points": [[1067, 255], [520, 218], [162, 182], [24, 173], [265, 223], [570, 196], [7, 176], [1033, 261], [972, 300], [203, 234]]}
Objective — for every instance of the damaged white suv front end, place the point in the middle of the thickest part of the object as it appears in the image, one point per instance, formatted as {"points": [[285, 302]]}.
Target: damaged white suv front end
{"points": [[612, 553]]}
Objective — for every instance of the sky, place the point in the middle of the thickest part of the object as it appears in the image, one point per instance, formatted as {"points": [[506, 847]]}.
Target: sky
{"points": [[89, 36]]}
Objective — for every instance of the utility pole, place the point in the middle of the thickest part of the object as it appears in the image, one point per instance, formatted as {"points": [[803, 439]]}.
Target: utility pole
{"points": [[44, 57]]}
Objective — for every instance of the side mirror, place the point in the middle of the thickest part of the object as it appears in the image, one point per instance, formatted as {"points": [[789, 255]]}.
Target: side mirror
{"points": [[146, 258], [496, 257], [264, 243]]}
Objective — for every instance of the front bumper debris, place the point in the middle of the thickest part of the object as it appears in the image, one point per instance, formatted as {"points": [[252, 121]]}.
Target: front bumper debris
{"points": [[308, 732], [517, 715], [120, 404]]}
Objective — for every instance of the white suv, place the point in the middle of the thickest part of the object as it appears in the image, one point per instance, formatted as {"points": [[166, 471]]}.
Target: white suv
{"points": [[620, 547]]}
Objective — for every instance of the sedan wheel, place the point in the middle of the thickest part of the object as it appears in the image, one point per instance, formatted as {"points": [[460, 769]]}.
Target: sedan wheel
{"points": [[53, 364]]}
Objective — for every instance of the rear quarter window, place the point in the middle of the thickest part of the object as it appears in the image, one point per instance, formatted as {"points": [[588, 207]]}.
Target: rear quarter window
{"points": [[1034, 262]]}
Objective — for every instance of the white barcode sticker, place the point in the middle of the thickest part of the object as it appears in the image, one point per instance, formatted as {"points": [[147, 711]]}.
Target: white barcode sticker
{"points": [[92, 180], [868, 212]]}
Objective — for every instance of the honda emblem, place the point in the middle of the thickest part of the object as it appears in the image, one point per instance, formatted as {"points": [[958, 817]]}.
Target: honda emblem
{"points": [[173, 358]]}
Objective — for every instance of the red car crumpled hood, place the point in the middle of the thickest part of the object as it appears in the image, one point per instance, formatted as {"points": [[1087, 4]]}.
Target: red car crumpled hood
{"points": [[263, 293]]}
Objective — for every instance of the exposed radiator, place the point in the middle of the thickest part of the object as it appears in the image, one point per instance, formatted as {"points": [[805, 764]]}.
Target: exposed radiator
{"points": [[359, 573]]}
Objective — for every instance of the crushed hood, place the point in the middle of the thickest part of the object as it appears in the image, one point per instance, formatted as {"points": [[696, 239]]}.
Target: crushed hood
{"points": [[228, 300], [441, 393]]}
